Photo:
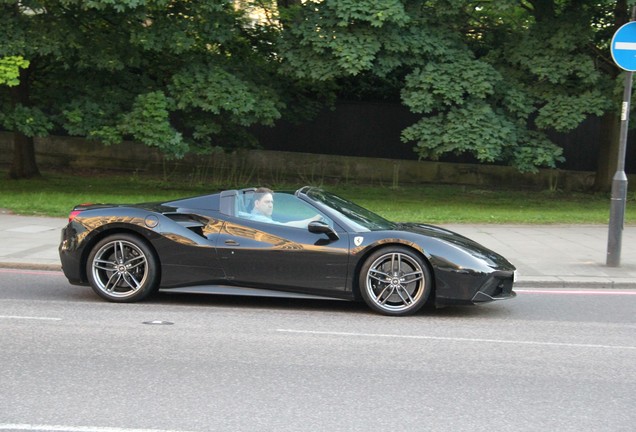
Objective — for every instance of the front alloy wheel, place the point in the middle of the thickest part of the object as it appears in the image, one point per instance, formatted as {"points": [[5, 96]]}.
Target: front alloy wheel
{"points": [[122, 268], [395, 281]]}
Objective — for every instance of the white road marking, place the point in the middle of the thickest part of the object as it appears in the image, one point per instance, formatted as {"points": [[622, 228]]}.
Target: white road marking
{"points": [[16, 317], [604, 291], [60, 428], [454, 339]]}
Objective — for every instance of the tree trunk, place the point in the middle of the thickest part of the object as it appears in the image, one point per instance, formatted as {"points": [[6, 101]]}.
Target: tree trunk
{"points": [[24, 164], [607, 160]]}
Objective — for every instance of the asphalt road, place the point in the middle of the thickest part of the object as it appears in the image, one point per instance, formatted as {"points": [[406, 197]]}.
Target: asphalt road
{"points": [[548, 360]]}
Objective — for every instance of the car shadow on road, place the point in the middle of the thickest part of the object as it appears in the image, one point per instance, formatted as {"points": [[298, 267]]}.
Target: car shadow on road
{"points": [[248, 302], [349, 307]]}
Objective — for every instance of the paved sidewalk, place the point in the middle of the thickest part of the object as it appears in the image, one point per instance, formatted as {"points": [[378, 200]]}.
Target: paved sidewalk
{"points": [[559, 256], [556, 256]]}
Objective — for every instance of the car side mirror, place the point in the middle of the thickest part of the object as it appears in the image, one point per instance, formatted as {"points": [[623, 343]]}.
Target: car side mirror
{"points": [[319, 227]]}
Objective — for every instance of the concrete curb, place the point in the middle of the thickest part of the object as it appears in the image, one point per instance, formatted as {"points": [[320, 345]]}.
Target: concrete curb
{"points": [[31, 266], [556, 283]]}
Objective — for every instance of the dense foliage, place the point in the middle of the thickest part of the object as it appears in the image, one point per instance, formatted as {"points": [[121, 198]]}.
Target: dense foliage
{"points": [[173, 74], [488, 78]]}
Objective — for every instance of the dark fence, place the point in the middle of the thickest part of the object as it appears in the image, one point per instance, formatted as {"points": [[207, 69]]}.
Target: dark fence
{"points": [[373, 130]]}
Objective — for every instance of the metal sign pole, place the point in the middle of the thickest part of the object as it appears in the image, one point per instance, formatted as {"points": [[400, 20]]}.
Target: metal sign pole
{"points": [[619, 184], [623, 49]]}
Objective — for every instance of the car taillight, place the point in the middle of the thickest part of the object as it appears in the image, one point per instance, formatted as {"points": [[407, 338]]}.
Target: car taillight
{"points": [[77, 210], [73, 215]]}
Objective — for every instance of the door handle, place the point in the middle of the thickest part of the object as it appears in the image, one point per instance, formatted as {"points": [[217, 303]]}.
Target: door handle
{"points": [[232, 243]]}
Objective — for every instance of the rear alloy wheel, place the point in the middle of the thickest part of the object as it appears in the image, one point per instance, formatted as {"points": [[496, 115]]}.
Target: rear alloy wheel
{"points": [[122, 268], [395, 281]]}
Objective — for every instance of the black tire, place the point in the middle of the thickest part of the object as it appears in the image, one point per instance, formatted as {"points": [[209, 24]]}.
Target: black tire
{"points": [[122, 268], [395, 281]]}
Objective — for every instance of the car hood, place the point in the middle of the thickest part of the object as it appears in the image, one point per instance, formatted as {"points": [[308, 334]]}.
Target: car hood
{"points": [[458, 240]]}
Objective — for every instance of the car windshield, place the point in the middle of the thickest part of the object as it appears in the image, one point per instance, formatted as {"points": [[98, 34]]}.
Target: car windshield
{"points": [[363, 219]]}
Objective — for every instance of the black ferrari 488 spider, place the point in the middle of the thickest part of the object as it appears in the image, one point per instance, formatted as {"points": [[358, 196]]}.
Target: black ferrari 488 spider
{"points": [[309, 243]]}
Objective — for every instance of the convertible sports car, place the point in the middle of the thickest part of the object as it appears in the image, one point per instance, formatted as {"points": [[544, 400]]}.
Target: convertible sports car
{"points": [[312, 244]]}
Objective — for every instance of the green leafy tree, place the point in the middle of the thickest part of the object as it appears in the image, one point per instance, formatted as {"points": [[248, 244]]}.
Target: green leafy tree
{"points": [[488, 78], [10, 70], [177, 75], [556, 52]]}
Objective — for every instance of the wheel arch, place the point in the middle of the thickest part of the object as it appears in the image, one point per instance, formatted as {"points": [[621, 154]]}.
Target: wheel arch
{"points": [[99, 236], [408, 245]]}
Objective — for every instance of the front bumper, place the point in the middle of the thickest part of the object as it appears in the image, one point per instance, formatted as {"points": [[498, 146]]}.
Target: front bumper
{"points": [[497, 287]]}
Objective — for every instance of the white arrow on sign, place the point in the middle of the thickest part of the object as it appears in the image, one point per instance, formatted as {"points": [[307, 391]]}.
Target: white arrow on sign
{"points": [[625, 46]]}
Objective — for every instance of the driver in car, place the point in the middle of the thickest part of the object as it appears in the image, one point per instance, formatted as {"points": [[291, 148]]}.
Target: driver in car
{"points": [[264, 207]]}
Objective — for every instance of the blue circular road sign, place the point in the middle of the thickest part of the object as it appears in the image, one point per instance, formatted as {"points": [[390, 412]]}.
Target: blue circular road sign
{"points": [[624, 47]]}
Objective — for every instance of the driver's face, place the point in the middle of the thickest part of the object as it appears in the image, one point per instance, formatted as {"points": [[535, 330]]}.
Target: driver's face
{"points": [[265, 205]]}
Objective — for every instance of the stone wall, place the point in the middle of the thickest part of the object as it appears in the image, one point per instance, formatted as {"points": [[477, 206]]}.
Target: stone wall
{"points": [[259, 166]]}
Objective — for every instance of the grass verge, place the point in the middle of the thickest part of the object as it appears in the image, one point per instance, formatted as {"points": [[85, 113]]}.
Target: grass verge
{"points": [[56, 193]]}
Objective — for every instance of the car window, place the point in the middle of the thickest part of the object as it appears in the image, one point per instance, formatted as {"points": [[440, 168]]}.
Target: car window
{"points": [[358, 217], [287, 209]]}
